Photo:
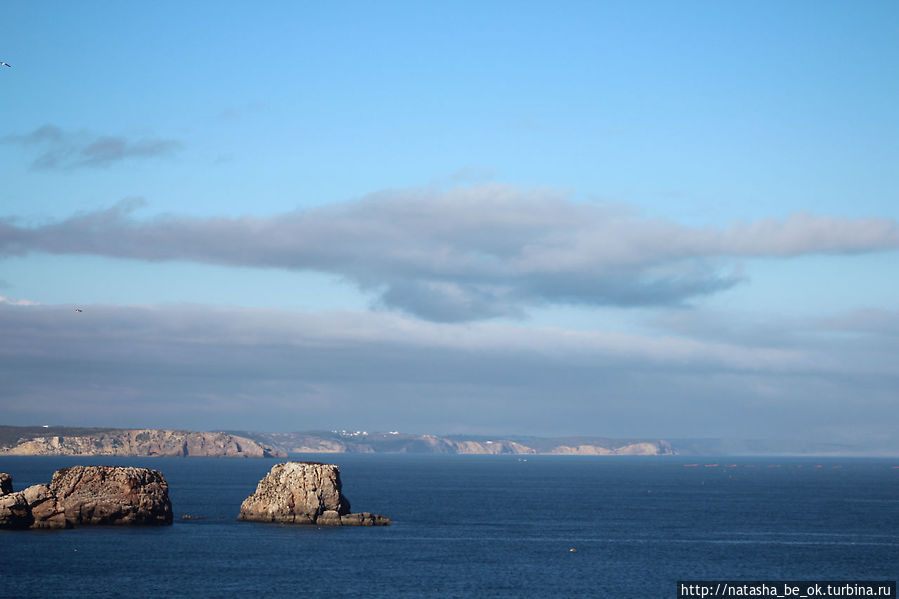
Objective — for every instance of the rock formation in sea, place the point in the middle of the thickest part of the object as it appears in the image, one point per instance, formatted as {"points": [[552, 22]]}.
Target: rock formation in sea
{"points": [[14, 511], [46, 511], [89, 495], [304, 493], [143, 442], [112, 495]]}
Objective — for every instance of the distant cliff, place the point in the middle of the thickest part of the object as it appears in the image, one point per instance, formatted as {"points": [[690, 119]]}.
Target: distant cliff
{"points": [[154, 442], [145, 442], [395, 442]]}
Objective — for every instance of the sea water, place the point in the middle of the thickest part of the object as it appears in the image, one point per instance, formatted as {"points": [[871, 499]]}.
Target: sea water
{"points": [[479, 526]]}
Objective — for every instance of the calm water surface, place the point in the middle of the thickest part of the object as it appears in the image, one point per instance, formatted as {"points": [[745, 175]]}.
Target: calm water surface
{"points": [[480, 526]]}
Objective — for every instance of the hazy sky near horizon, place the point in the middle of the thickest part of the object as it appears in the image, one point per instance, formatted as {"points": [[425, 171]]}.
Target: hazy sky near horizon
{"points": [[624, 219]]}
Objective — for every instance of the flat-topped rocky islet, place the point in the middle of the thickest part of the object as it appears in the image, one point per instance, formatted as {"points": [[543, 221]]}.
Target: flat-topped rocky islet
{"points": [[304, 493], [113, 495]]}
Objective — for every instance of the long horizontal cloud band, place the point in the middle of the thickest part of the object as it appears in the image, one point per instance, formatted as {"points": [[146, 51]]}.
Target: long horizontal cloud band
{"points": [[256, 339], [313, 369], [471, 253]]}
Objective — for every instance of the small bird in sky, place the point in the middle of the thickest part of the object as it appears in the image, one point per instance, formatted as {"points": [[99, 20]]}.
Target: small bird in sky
{"points": [[5, 64], [78, 310]]}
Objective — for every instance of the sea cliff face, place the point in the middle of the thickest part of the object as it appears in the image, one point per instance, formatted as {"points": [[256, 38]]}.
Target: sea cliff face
{"points": [[643, 448], [363, 442], [179, 443], [146, 442]]}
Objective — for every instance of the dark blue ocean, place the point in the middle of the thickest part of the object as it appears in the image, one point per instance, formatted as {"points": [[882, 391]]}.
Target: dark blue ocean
{"points": [[480, 526]]}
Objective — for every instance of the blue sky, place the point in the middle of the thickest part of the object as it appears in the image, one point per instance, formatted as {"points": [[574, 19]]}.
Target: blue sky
{"points": [[692, 206]]}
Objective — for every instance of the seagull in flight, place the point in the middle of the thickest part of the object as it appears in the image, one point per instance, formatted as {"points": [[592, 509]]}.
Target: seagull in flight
{"points": [[5, 64], [78, 310]]}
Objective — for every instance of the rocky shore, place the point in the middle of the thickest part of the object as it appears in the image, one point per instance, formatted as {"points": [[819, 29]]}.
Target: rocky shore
{"points": [[304, 493]]}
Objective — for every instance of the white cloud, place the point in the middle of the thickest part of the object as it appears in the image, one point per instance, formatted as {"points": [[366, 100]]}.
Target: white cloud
{"points": [[471, 253]]}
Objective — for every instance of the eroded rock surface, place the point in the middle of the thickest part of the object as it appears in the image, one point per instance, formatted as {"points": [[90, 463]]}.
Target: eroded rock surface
{"points": [[14, 512], [45, 509], [90, 495], [304, 493], [112, 495]]}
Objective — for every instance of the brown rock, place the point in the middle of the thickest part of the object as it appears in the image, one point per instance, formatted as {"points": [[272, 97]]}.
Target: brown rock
{"points": [[111, 495], [88, 495], [14, 512], [45, 509], [329, 518], [303, 493], [5, 484], [364, 519]]}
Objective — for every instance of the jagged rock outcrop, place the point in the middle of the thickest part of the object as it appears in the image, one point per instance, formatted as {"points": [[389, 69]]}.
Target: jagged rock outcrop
{"points": [[14, 512], [304, 493], [90, 495], [145, 442], [112, 495], [46, 510]]}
